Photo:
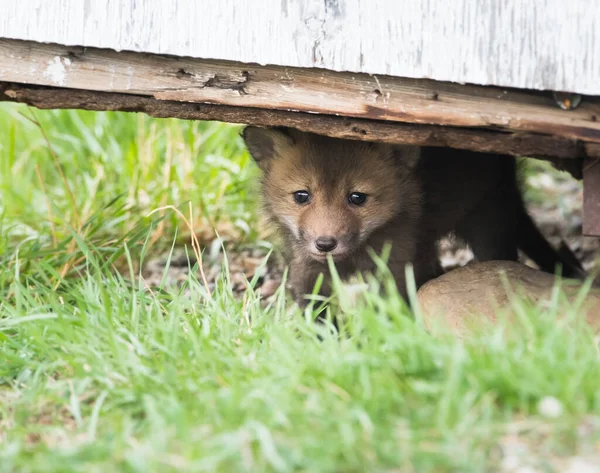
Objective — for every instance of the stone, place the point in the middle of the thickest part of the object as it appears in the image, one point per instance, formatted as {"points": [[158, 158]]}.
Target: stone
{"points": [[479, 291]]}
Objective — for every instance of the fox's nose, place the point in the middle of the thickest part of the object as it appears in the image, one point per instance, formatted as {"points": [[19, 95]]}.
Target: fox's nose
{"points": [[325, 244]]}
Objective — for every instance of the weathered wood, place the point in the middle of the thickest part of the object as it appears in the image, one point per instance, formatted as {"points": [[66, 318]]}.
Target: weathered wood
{"points": [[315, 91], [541, 44], [518, 144], [591, 198]]}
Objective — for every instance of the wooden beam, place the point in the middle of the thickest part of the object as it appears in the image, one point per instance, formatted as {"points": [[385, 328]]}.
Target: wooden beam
{"points": [[518, 144], [591, 198], [391, 99]]}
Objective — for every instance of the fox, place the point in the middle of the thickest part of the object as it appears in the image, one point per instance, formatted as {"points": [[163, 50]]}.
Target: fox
{"points": [[341, 199]]}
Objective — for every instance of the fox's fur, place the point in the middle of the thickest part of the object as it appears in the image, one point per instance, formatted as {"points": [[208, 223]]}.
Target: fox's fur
{"points": [[415, 196]]}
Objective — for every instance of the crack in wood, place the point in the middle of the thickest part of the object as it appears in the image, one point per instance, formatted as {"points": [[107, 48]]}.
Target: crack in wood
{"points": [[183, 74], [236, 83], [228, 83]]}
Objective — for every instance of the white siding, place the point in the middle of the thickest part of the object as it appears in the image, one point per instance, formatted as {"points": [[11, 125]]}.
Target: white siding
{"points": [[539, 44]]}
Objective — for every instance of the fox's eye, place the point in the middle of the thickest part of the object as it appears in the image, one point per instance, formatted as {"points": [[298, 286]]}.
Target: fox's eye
{"points": [[357, 198], [301, 197]]}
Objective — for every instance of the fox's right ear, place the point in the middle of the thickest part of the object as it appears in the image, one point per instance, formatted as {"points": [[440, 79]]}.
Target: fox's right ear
{"points": [[266, 143], [407, 156]]}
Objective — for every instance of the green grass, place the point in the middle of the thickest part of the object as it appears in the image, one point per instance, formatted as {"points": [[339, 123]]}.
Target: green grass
{"points": [[100, 373]]}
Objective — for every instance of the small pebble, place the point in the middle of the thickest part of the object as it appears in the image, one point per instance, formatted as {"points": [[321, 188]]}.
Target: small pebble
{"points": [[580, 465], [550, 407]]}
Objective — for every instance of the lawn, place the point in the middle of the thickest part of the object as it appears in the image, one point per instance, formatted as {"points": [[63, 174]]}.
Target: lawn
{"points": [[100, 371]]}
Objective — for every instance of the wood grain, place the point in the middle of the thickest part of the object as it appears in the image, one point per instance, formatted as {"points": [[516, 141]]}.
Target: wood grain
{"points": [[591, 198], [518, 144], [384, 98]]}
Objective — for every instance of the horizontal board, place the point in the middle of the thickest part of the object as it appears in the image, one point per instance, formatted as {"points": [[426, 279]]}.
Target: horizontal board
{"points": [[541, 44], [313, 91], [481, 140]]}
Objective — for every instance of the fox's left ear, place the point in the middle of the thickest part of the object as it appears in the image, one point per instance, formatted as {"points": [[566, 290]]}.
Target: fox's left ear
{"points": [[265, 144]]}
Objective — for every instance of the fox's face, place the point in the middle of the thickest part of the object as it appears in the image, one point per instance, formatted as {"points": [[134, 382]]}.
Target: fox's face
{"points": [[330, 194]]}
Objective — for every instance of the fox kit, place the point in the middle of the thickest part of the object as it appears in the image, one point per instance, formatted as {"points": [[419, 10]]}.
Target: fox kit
{"points": [[338, 197]]}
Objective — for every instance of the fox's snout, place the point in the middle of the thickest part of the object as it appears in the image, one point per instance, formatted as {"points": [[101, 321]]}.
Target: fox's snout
{"points": [[328, 233], [326, 244], [319, 246]]}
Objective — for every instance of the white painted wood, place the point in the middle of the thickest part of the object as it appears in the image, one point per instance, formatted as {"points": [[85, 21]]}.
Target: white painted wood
{"points": [[538, 44]]}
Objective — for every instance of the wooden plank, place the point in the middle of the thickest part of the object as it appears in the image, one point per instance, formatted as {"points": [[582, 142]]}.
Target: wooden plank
{"points": [[541, 44], [313, 91], [518, 144], [591, 198]]}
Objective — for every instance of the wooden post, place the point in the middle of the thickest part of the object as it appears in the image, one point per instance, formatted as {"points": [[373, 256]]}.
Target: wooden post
{"points": [[591, 197]]}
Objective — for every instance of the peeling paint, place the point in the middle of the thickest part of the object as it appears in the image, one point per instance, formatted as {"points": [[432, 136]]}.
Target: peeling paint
{"points": [[56, 71], [460, 41], [129, 77]]}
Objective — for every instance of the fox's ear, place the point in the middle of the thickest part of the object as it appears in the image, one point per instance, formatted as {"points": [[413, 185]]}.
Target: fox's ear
{"points": [[407, 156], [265, 144]]}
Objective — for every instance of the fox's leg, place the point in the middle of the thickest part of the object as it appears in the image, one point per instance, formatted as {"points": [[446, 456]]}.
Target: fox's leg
{"points": [[425, 264], [303, 278], [491, 228]]}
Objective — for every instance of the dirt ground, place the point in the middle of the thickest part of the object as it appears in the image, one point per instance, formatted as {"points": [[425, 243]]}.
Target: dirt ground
{"points": [[554, 200]]}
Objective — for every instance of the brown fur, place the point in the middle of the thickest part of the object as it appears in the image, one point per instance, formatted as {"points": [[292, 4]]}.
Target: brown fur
{"points": [[415, 197]]}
